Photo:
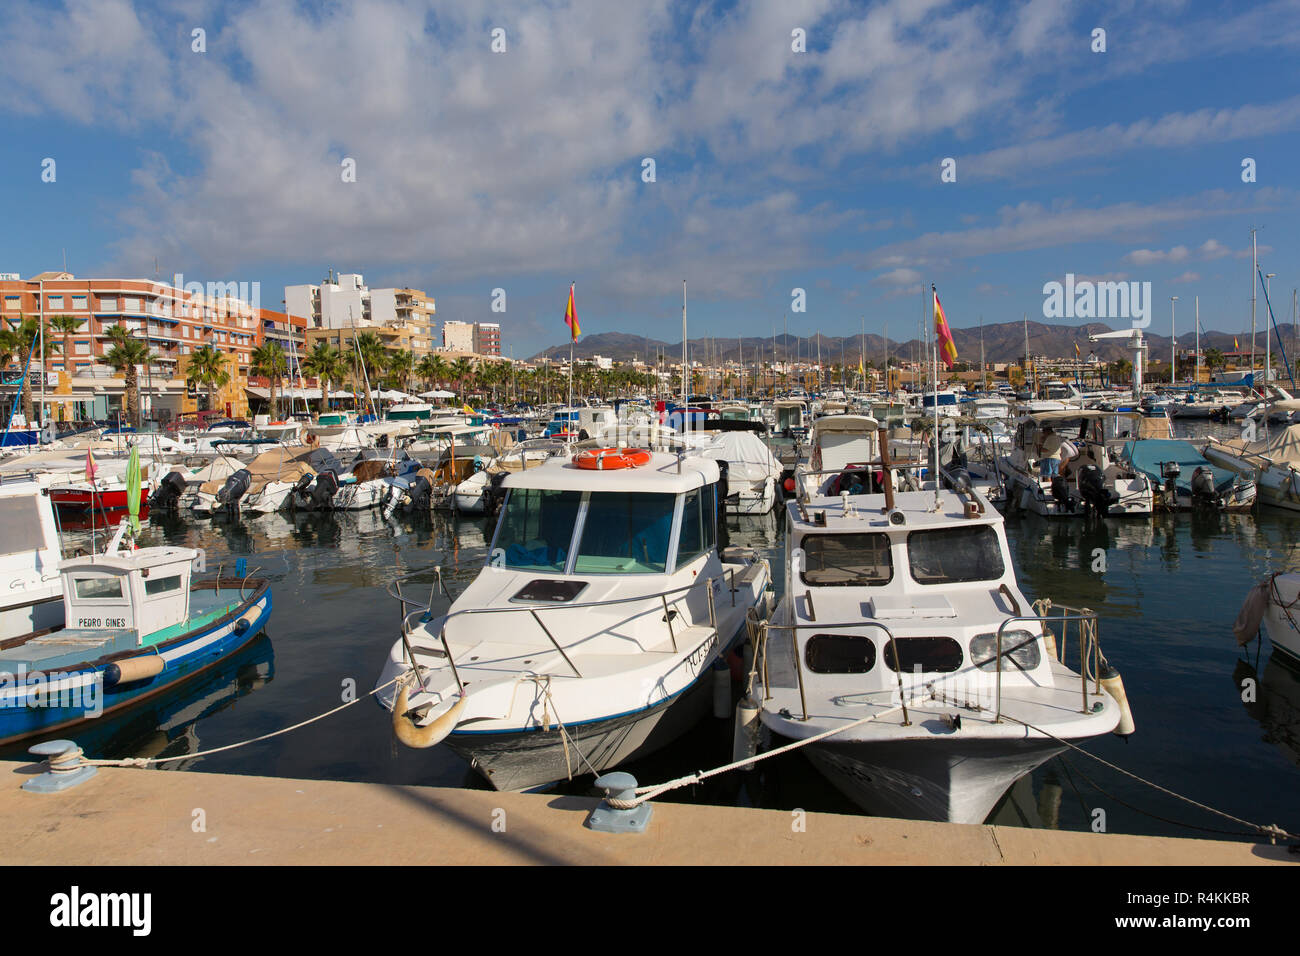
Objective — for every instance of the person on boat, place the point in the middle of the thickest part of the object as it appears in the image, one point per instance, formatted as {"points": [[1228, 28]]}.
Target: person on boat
{"points": [[1049, 453]]}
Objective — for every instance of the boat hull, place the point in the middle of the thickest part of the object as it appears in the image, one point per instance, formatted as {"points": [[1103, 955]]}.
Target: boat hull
{"points": [[27, 712], [956, 782], [83, 499]]}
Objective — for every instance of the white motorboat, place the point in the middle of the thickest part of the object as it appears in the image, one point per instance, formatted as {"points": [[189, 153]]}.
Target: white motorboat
{"points": [[1275, 604], [902, 627], [1273, 463], [264, 485], [836, 445], [585, 640], [753, 472], [366, 482], [482, 491], [1092, 476]]}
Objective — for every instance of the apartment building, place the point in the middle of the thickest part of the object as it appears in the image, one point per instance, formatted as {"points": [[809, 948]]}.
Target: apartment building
{"points": [[344, 302], [173, 320], [487, 338], [458, 337]]}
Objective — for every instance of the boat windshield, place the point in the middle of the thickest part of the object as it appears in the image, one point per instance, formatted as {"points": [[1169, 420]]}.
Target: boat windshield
{"points": [[847, 560], [626, 533], [535, 529], [954, 555]]}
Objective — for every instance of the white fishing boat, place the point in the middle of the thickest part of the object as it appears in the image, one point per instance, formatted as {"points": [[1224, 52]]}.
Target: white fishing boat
{"points": [[1089, 475], [904, 635], [29, 560], [836, 445], [585, 640]]}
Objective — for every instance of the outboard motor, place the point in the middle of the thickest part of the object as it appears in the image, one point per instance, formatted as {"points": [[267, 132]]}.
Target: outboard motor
{"points": [[234, 488], [323, 491], [1097, 498], [1061, 492], [300, 488], [168, 493], [1169, 471], [419, 494], [1204, 494], [494, 494]]}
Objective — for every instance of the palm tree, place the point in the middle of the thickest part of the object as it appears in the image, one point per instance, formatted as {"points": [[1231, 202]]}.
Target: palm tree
{"points": [[21, 340], [207, 368], [66, 326], [325, 362], [460, 371], [125, 356], [269, 359]]}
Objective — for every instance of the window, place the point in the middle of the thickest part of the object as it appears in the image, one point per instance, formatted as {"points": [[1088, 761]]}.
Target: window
{"points": [[14, 302], [840, 654], [154, 586], [954, 555], [1019, 651], [535, 529], [625, 532], [102, 588], [130, 305], [928, 655], [20, 526], [691, 542], [56, 301], [108, 303], [79, 303], [81, 348], [847, 560]]}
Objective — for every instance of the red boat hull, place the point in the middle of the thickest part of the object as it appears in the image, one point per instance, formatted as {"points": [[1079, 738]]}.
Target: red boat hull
{"points": [[82, 499]]}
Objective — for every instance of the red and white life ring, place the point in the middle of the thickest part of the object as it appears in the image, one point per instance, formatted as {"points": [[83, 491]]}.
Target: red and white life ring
{"points": [[610, 459]]}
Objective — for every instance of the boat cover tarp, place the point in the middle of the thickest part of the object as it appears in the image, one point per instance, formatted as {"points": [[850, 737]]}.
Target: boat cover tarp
{"points": [[1146, 456], [1283, 447], [748, 457], [277, 464]]}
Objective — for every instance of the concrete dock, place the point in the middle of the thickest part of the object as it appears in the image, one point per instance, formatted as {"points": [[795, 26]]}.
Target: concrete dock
{"points": [[143, 817]]}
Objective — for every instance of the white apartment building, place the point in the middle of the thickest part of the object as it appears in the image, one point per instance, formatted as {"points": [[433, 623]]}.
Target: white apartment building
{"points": [[345, 302]]}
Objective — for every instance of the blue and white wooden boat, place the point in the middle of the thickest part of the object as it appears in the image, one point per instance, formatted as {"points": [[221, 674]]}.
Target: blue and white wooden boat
{"points": [[135, 625]]}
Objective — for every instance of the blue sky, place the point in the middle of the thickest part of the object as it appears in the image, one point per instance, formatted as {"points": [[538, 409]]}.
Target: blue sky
{"points": [[775, 169]]}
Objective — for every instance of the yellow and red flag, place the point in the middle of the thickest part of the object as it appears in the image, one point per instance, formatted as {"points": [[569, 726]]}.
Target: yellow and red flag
{"points": [[571, 316], [90, 466], [947, 347]]}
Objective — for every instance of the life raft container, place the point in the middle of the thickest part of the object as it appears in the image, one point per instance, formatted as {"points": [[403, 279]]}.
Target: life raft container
{"points": [[609, 459]]}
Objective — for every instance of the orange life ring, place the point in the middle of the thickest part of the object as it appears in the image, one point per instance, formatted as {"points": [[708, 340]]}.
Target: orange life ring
{"points": [[312, 438], [609, 459]]}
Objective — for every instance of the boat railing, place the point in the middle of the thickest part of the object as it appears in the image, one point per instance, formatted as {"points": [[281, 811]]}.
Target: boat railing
{"points": [[1089, 650], [394, 589]]}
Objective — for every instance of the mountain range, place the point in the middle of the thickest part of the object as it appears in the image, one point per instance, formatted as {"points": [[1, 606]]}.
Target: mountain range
{"points": [[1003, 342]]}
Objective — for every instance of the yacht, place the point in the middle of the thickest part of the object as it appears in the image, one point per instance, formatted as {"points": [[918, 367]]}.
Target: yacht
{"points": [[29, 559], [604, 600], [902, 626], [1273, 463]]}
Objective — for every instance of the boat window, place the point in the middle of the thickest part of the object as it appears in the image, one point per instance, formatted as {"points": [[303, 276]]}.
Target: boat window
{"points": [[954, 555], [20, 525], [154, 586], [692, 541], [1019, 651], [840, 654], [99, 588], [626, 533], [847, 560], [926, 655], [535, 530]]}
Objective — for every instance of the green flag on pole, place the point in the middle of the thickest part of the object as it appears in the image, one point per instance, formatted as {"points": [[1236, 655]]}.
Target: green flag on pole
{"points": [[133, 489]]}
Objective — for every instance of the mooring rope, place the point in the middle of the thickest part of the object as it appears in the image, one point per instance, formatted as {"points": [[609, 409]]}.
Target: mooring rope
{"points": [[1272, 830], [146, 761]]}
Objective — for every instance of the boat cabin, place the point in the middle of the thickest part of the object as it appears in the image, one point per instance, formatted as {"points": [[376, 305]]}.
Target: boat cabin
{"points": [[560, 519], [145, 591], [906, 594]]}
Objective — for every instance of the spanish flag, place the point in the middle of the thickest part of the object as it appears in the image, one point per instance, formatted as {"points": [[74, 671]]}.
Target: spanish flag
{"points": [[571, 316], [1076, 350], [947, 347], [1235, 345]]}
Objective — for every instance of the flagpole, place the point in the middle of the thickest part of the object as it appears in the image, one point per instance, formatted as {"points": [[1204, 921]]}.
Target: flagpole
{"points": [[937, 503], [572, 338]]}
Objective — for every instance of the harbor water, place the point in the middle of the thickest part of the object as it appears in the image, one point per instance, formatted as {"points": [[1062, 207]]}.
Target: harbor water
{"points": [[1214, 722]]}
